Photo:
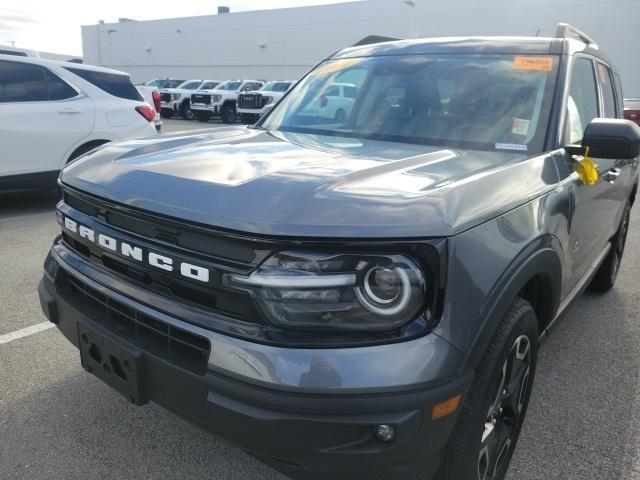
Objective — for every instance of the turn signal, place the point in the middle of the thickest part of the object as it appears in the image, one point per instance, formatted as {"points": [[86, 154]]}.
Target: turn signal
{"points": [[445, 408]]}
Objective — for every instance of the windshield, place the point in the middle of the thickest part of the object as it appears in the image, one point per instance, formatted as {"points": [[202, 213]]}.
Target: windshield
{"points": [[491, 101], [190, 85], [276, 87], [229, 86]]}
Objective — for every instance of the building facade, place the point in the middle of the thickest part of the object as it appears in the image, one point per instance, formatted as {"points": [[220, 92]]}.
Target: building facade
{"points": [[285, 43]]}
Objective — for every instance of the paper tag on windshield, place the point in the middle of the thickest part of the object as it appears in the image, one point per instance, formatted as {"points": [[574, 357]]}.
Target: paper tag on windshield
{"points": [[529, 62], [519, 126], [511, 146]]}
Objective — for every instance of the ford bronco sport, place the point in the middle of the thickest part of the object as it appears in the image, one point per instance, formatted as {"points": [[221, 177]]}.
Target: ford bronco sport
{"points": [[359, 297]]}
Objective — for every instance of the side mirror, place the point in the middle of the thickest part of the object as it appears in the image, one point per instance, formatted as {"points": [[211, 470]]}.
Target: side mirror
{"points": [[612, 138]]}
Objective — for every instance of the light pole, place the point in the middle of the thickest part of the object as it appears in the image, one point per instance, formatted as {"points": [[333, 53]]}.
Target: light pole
{"points": [[411, 4]]}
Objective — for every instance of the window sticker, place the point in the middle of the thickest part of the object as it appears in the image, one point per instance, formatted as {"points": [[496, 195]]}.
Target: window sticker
{"points": [[511, 146], [520, 126], [528, 62], [602, 73]]}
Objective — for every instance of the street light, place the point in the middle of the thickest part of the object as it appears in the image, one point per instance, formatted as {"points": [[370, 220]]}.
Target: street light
{"points": [[411, 4]]}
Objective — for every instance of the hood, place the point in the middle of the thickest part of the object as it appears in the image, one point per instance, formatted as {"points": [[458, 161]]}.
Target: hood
{"points": [[273, 183]]}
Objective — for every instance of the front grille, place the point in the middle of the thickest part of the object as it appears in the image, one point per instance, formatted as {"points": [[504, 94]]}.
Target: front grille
{"points": [[165, 97], [201, 98], [250, 100], [175, 345], [218, 253], [183, 237]]}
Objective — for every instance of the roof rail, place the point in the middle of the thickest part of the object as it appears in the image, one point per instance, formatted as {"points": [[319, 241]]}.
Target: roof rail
{"points": [[565, 30]]}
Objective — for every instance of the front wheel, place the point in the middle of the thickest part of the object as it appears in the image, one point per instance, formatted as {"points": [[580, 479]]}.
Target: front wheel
{"points": [[202, 116], [607, 273], [489, 424], [228, 114], [185, 110]]}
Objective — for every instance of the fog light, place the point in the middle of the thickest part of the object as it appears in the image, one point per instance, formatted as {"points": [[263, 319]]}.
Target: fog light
{"points": [[384, 433]]}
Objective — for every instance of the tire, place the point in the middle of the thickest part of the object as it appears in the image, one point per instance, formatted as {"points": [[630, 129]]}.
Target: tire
{"points": [[166, 113], [491, 417], [202, 116], [340, 116], [185, 110], [228, 114], [249, 118], [607, 273]]}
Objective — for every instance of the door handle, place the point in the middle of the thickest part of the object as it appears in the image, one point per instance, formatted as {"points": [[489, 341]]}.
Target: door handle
{"points": [[612, 175], [69, 111]]}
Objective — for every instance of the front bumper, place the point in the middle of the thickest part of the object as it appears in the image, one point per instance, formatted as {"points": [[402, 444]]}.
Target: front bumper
{"points": [[172, 105], [213, 108], [306, 433], [254, 111]]}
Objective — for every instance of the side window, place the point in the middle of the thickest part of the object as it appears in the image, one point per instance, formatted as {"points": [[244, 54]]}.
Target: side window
{"points": [[608, 95], [582, 104], [333, 91], [58, 89], [23, 82]]}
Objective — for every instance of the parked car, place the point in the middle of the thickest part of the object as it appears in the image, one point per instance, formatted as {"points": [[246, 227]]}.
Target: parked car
{"points": [[18, 52], [178, 100], [151, 95], [252, 105], [357, 297], [334, 103], [221, 101], [54, 112], [632, 109], [164, 82]]}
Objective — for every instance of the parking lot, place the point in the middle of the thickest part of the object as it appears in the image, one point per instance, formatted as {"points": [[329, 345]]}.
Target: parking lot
{"points": [[58, 422]]}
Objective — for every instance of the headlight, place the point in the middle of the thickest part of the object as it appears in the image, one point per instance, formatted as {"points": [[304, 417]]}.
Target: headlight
{"points": [[176, 96], [268, 100], [215, 98], [363, 292]]}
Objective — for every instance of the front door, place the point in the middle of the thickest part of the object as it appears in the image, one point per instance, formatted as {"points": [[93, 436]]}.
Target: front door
{"points": [[595, 207]]}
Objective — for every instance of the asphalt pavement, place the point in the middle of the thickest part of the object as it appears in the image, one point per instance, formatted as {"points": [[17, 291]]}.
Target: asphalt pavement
{"points": [[59, 422]]}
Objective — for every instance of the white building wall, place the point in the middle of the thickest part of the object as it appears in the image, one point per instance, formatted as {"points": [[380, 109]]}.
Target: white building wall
{"points": [[282, 44]]}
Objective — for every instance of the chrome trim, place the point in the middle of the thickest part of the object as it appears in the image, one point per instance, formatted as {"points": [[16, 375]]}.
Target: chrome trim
{"points": [[296, 281], [396, 366]]}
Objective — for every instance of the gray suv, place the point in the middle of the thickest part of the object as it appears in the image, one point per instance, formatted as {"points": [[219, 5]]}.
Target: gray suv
{"points": [[363, 296]]}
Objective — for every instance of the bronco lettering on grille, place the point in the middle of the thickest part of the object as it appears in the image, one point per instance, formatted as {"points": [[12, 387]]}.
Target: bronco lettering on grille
{"points": [[134, 252]]}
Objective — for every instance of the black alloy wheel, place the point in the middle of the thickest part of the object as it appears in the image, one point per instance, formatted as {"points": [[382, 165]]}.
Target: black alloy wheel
{"points": [[504, 413]]}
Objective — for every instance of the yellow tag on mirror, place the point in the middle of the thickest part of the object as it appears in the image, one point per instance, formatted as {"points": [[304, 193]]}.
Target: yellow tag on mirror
{"points": [[586, 169]]}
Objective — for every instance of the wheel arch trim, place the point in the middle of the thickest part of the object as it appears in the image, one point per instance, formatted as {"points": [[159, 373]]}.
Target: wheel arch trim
{"points": [[545, 261]]}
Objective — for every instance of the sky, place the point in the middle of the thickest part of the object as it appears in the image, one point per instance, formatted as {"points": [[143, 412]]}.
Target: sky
{"points": [[54, 25]]}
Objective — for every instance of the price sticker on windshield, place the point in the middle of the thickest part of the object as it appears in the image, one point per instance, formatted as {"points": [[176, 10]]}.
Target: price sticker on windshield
{"points": [[529, 62]]}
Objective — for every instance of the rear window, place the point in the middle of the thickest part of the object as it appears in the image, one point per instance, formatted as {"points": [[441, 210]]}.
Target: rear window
{"points": [[117, 85]]}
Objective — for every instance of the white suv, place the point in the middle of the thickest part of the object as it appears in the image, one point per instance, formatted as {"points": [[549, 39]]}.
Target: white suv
{"points": [[177, 100], [252, 105], [53, 112], [222, 100]]}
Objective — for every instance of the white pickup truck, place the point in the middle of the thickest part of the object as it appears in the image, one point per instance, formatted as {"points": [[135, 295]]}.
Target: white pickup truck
{"points": [[221, 100], [178, 100], [252, 105]]}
